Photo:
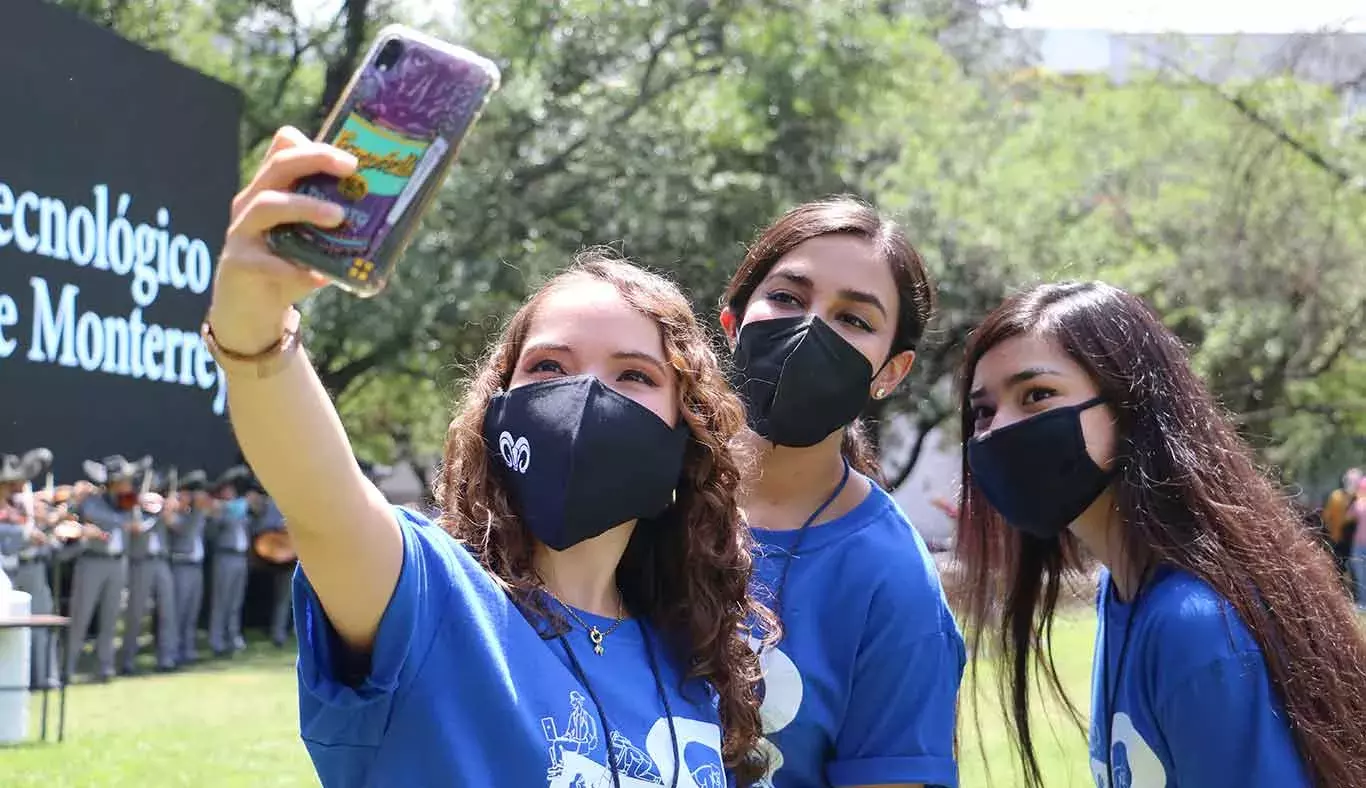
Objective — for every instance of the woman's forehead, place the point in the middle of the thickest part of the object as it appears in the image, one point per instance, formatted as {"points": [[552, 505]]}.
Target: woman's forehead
{"points": [[592, 317], [838, 262], [1002, 365]]}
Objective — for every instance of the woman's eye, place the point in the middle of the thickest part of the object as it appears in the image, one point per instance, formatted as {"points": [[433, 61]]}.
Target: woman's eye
{"points": [[636, 376], [857, 322], [546, 365], [1037, 395], [783, 298]]}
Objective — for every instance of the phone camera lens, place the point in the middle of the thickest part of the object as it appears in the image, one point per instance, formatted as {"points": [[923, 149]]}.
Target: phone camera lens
{"points": [[389, 55]]}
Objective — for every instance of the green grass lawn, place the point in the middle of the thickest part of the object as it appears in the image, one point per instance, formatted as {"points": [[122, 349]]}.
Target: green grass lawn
{"points": [[235, 723], [225, 723], [1060, 746]]}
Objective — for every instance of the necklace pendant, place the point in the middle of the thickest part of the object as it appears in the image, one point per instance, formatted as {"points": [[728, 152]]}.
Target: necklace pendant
{"points": [[595, 635]]}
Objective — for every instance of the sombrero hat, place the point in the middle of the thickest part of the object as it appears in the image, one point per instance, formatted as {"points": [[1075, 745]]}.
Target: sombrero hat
{"points": [[32, 464], [116, 468], [238, 477], [194, 481]]}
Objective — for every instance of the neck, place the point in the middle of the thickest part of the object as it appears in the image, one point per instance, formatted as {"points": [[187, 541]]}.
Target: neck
{"points": [[1101, 529], [792, 477], [585, 575]]}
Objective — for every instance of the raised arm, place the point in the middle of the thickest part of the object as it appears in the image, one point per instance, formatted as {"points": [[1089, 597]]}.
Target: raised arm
{"points": [[97, 512], [13, 537], [173, 517], [348, 541]]}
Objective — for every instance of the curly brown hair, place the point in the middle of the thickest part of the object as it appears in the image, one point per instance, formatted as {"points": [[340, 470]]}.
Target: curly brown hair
{"points": [[688, 573]]}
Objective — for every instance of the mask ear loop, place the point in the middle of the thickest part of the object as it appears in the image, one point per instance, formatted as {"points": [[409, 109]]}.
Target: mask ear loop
{"points": [[882, 390], [1082, 407]]}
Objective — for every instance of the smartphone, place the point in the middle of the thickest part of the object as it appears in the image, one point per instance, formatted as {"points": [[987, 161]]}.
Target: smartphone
{"points": [[404, 115]]}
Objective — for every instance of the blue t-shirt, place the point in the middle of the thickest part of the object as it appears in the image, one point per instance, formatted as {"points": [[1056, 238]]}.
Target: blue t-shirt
{"points": [[1193, 703], [462, 690], [863, 687]]}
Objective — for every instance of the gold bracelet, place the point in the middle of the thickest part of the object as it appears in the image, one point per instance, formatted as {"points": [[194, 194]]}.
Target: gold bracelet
{"points": [[267, 362]]}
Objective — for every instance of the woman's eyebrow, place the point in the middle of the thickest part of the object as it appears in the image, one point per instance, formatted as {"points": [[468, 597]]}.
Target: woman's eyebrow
{"points": [[1016, 379]]}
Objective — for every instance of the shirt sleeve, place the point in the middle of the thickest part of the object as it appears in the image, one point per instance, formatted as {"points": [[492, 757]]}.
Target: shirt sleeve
{"points": [[11, 538], [899, 724], [339, 707], [1226, 729], [100, 514]]}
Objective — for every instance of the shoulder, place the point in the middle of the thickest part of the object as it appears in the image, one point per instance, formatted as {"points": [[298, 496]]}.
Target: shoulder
{"points": [[430, 544], [435, 560], [1190, 625], [901, 574]]}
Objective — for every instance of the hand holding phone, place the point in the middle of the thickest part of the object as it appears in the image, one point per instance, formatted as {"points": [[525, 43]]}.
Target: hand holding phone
{"points": [[403, 117]]}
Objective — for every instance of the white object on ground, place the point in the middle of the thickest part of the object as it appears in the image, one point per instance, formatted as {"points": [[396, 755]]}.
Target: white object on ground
{"points": [[15, 653]]}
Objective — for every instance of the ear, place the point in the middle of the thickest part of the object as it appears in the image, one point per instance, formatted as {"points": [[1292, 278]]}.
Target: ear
{"points": [[728, 325], [895, 371]]}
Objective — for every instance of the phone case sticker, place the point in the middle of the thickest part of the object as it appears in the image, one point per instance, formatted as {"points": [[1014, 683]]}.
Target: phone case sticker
{"points": [[397, 129], [388, 161]]}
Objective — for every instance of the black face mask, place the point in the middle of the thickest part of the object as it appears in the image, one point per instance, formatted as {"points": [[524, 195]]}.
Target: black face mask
{"points": [[579, 459], [1037, 473], [799, 379]]}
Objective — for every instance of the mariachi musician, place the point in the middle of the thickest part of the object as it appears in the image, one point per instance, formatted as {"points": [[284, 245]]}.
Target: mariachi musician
{"points": [[272, 545], [186, 529], [26, 547], [229, 529], [101, 565], [150, 587]]}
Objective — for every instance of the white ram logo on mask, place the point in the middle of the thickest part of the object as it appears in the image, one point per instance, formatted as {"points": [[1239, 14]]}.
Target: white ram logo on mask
{"points": [[515, 452]]}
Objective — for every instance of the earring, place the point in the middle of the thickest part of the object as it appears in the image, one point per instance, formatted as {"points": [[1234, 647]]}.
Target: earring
{"points": [[880, 393]]}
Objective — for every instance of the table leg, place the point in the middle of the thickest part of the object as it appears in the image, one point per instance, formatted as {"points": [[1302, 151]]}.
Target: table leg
{"points": [[65, 645], [47, 681]]}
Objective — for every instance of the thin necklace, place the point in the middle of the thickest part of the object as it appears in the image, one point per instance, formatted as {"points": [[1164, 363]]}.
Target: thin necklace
{"points": [[594, 634], [579, 673]]}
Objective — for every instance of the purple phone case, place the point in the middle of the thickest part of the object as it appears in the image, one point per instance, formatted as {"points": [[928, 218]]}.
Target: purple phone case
{"points": [[404, 124]]}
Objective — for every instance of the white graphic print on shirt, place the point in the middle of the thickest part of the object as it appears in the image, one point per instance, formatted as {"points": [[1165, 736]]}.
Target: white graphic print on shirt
{"points": [[1135, 763], [782, 698], [572, 752]]}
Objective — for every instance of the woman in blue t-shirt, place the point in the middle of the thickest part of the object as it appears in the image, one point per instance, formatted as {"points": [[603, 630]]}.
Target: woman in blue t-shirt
{"points": [[576, 618], [1227, 654], [824, 314]]}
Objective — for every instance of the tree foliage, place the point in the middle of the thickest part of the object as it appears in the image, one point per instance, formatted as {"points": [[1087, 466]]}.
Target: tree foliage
{"points": [[677, 128]]}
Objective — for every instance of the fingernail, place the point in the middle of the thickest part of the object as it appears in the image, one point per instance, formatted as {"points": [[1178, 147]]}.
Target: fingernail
{"points": [[336, 213], [347, 160]]}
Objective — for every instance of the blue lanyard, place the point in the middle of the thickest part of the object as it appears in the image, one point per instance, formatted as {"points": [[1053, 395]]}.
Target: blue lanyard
{"points": [[797, 543], [1111, 691]]}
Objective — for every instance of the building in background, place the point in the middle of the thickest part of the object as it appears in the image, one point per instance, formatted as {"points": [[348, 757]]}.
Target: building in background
{"points": [[1334, 59]]}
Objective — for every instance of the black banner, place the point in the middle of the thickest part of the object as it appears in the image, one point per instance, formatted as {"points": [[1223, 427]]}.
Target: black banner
{"points": [[117, 167]]}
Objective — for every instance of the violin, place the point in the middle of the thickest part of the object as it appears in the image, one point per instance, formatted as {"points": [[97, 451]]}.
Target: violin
{"points": [[151, 503], [67, 531]]}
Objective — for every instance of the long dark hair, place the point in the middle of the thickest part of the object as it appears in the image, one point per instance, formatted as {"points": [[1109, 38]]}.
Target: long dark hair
{"points": [[843, 215], [689, 572], [1191, 496]]}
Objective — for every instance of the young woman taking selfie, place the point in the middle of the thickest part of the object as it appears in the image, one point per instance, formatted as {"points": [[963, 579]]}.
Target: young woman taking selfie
{"points": [[577, 617], [1227, 653], [824, 314]]}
